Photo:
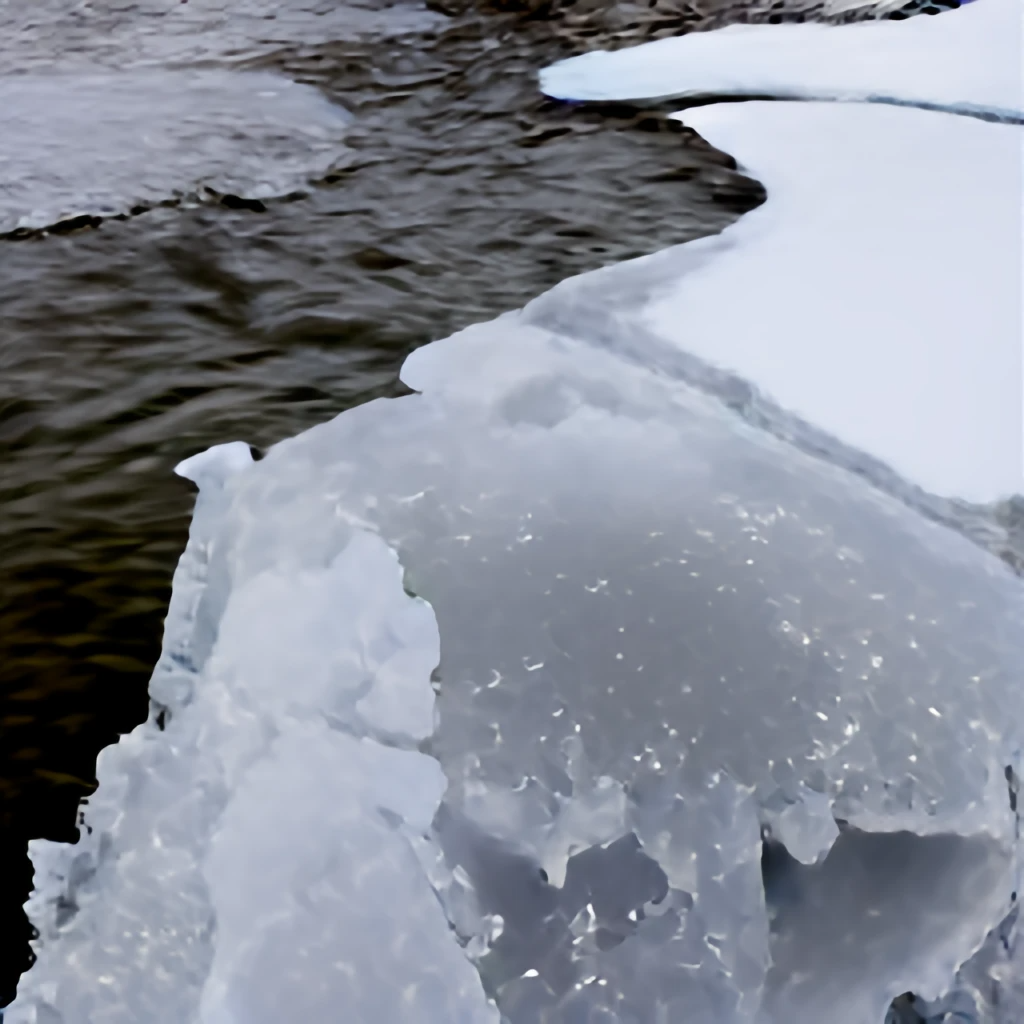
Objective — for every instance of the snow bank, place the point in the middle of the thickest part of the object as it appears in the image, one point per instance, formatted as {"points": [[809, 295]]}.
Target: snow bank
{"points": [[74, 146], [663, 631], [969, 60], [877, 293], [249, 855]]}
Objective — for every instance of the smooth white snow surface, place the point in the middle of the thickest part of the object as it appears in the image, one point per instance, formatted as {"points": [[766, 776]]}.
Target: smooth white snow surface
{"points": [[970, 59], [657, 630], [878, 293], [101, 143], [877, 8]]}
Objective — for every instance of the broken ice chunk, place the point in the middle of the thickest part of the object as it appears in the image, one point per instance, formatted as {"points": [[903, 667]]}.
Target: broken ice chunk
{"points": [[344, 921], [251, 858], [343, 642], [805, 825], [711, 616], [215, 466]]}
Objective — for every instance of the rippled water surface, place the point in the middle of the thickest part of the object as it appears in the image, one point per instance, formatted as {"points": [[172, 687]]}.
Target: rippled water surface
{"points": [[214, 314]]}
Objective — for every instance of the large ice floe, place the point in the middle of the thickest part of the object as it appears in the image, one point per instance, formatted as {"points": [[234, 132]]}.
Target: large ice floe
{"points": [[589, 684], [659, 630]]}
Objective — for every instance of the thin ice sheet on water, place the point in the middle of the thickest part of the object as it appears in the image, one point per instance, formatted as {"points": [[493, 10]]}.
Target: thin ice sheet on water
{"points": [[73, 35], [661, 631], [969, 59], [104, 142], [880, 282]]}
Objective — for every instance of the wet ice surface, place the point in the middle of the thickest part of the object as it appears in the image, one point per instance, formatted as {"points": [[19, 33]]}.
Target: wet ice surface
{"points": [[111, 108], [110, 143], [661, 633], [655, 621], [334, 806], [128, 347], [969, 59]]}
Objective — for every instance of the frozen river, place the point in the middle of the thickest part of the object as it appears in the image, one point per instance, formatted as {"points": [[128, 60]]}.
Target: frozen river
{"points": [[220, 224], [458, 193]]}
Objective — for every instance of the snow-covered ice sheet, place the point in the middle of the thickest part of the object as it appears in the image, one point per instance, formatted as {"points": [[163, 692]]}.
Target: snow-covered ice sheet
{"points": [[102, 143], [878, 293], [970, 59], [658, 631]]}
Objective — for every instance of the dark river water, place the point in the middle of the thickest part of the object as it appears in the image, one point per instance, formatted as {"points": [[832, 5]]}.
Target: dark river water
{"points": [[127, 345]]}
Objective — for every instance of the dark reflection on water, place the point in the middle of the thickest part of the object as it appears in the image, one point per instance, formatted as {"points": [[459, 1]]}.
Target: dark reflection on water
{"points": [[126, 348]]}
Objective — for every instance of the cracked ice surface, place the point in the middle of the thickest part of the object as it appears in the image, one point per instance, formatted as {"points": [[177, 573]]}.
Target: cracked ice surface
{"points": [[662, 630]]}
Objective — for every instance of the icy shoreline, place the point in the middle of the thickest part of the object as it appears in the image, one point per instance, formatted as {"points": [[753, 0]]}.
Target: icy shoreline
{"points": [[968, 61], [470, 482], [585, 683]]}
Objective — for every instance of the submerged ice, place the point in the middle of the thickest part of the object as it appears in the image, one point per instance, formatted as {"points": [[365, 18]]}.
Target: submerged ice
{"points": [[721, 730], [75, 148], [253, 859], [73, 35]]}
